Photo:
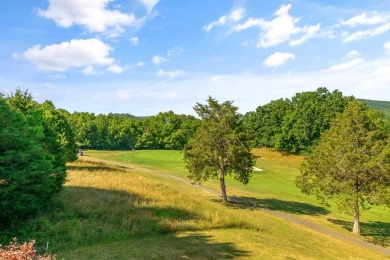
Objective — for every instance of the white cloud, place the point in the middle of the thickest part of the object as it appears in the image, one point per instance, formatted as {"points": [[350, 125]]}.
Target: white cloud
{"points": [[215, 79], [75, 53], [346, 65], [176, 50], [140, 64], [383, 72], [278, 59], [251, 22], [310, 32], [352, 54], [149, 4], [364, 19], [387, 47], [366, 33], [115, 69], [90, 14], [123, 95], [235, 16], [159, 59], [134, 40], [280, 29], [170, 74], [89, 70]]}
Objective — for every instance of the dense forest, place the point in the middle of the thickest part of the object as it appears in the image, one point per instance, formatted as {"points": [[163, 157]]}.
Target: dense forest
{"points": [[290, 125]]}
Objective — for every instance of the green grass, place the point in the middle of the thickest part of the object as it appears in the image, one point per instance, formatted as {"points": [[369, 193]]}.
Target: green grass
{"points": [[272, 188], [112, 212]]}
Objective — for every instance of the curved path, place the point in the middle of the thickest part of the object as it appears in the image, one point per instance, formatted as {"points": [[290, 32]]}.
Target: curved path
{"points": [[287, 217]]}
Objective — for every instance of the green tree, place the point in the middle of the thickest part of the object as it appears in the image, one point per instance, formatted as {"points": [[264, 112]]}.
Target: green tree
{"points": [[311, 115], [44, 117], [220, 146], [26, 169], [351, 163]]}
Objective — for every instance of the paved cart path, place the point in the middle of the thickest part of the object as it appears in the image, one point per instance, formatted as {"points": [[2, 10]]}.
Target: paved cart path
{"points": [[287, 217]]}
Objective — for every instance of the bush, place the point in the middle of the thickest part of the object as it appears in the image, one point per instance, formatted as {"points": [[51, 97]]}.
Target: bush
{"points": [[25, 251]]}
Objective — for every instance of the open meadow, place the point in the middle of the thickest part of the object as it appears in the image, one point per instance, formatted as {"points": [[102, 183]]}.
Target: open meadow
{"points": [[116, 212], [272, 188]]}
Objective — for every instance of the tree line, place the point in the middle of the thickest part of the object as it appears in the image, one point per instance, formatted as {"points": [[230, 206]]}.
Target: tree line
{"points": [[166, 130], [295, 125]]}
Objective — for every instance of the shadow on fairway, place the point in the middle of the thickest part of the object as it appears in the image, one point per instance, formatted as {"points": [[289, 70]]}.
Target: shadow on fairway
{"points": [[376, 232], [282, 205]]}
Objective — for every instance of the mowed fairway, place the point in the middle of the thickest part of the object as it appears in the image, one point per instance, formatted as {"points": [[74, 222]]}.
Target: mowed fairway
{"points": [[113, 212], [273, 188]]}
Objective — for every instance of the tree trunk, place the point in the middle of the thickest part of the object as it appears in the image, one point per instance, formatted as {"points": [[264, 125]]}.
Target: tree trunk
{"points": [[223, 186], [356, 222]]}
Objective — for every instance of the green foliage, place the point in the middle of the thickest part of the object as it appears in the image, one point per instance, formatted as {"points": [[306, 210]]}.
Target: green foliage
{"points": [[351, 164], [295, 125], [26, 180], [267, 121], [36, 142], [220, 146], [117, 132], [380, 106]]}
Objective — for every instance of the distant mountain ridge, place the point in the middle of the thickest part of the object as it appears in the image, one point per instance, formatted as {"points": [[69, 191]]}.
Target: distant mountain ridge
{"points": [[382, 106], [130, 116]]}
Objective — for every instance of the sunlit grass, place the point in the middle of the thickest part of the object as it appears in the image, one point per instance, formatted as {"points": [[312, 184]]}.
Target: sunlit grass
{"points": [[272, 188], [112, 212]]}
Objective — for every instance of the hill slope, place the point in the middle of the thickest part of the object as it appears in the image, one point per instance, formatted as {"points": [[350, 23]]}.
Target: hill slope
{"points": [[382, 106]]}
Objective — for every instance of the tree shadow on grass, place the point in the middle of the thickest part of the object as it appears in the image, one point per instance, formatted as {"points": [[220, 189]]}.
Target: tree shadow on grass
{"points": [[87, 216], [189, 245], [377, 232], [293, 207]]}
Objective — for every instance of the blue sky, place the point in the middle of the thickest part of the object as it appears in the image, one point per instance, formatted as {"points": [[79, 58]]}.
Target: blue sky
{"points": [[148, 56]]}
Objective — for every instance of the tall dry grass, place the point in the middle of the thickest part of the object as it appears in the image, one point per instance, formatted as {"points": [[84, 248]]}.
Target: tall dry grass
{"points": [[104, 203]]}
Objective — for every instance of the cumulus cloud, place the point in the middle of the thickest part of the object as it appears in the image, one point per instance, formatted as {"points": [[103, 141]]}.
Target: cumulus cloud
{"points": [[278, 59], [280, 29], [235, 16], [115, 69], [140, 64], [170, 74], [346, 65], [93, 15], [159, 59], [75, 53]]}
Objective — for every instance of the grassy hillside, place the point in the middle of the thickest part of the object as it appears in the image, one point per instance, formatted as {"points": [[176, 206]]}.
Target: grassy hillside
{"points": [[382, 106], [113, 212], [272, 188]]}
